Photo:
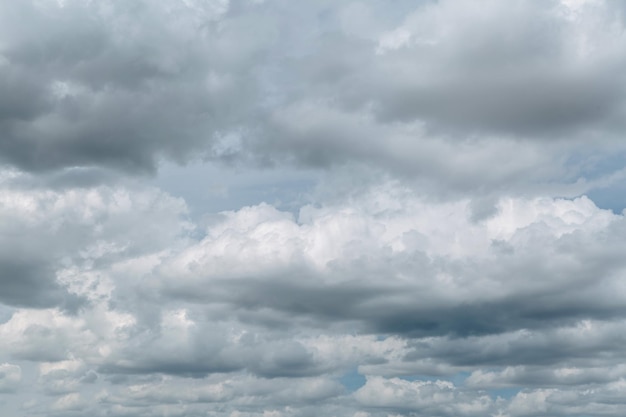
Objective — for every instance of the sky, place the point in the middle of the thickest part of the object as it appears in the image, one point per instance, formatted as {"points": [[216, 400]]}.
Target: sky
{"points": [[277, 208]]}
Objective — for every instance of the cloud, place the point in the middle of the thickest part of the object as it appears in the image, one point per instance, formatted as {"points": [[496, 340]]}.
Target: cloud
{"points": [[439, 398], [10, 377], [435, 252], [502, 68], [383, 281], [47, 235], [442, 92], [92, 84], [564, 402], [306, 268]]}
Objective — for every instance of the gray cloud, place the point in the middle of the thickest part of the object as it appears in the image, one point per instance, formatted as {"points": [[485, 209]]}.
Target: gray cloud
{"points": [[509, 284], [438, 91], [451, 92], [425, 246], [10, 377], [45, 233], [264, 293], [118, 85], [25, 283]]}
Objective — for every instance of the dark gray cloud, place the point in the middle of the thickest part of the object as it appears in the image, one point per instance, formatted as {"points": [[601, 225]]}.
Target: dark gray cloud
{"points": [[118, 85], [26, 283]]}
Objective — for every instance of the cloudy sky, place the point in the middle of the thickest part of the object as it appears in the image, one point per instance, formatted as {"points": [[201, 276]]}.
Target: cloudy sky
{"points": [[278, 208]]}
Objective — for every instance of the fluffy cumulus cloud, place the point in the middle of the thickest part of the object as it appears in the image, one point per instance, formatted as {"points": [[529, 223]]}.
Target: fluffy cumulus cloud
{"points": [[376, 210]]}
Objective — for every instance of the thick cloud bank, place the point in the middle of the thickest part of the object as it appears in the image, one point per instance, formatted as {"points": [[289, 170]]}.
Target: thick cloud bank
{"points": [[269, 311], [442, 91], [437, 249]]}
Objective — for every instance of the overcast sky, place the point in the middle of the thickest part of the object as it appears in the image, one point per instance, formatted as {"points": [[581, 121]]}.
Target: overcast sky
{"points": [[279, 208]]}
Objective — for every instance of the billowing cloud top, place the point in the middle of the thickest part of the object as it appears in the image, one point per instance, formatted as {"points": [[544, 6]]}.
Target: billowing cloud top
{"points": [[268, 208]]}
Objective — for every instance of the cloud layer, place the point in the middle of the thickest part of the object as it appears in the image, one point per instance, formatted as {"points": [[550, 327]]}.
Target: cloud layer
{"points": [[272, 310], [439, 91], [438, 251]]}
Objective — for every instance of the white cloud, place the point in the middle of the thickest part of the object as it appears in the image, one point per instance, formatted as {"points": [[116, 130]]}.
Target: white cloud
{"points": [[437, 397]]}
